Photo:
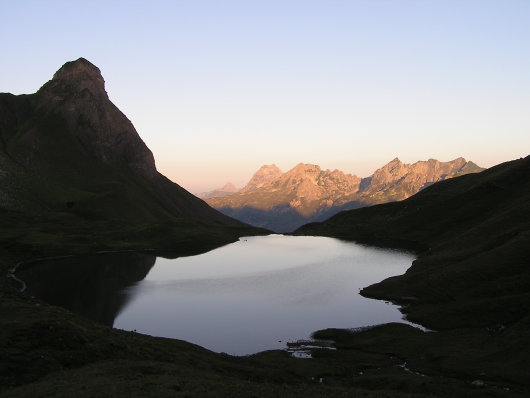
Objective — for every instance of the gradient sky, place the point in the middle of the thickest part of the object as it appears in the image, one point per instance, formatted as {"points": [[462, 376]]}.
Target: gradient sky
{"points": [[218, 88]]}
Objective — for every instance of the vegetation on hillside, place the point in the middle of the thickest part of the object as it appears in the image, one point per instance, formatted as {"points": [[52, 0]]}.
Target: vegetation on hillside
{"points": [[471, 279], [48, 351], [71, 184]]}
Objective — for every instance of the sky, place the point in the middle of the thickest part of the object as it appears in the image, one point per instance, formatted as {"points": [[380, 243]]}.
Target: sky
{"points": [[218, 88]]}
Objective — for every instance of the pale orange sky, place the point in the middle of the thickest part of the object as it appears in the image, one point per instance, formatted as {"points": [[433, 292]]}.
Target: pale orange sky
{"points": [[218, 88]]}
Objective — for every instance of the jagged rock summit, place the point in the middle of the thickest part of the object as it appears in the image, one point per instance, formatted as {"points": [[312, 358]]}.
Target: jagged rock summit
{"points": [[77, 76], [228, 187], [263, 176], [67, 152], [77, 93], [283, 202]]}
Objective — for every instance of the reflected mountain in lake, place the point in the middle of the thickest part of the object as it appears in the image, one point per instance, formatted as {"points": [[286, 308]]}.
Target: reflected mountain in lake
{"points": [[92, 286], [242, 298]]}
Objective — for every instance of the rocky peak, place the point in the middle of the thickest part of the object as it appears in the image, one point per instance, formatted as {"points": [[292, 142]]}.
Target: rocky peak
{"points": [[412, 177], [392, 171], [307, 193], [311, 181], [263, 176], [301, 172], [305, 168], [74, 77], [228, 187], [74, 157], [459, 162], [225, 190], [77, 95], [393, 166]]}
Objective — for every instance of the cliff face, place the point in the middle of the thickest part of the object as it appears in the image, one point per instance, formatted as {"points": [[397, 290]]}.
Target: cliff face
{"points": [[68, 151], [262, 177], [283, 202], [77, 93], [398, 181]]}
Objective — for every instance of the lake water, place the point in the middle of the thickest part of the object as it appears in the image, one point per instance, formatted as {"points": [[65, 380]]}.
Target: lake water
{"points": [[249, 296]]}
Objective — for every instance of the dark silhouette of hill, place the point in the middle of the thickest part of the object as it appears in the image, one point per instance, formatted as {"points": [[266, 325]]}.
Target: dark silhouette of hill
{"points": [[69, 157], [75, 178], [472, 235]]}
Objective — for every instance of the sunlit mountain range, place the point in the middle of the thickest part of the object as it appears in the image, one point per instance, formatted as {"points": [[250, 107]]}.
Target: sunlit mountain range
{"points": [[283, 202]]}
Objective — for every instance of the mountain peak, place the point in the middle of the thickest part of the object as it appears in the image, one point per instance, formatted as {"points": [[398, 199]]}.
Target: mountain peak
{"points": [[263, 176], [71, 137], [77, 93], [394, 161], [76, 76], [307, 193], [225, 190], [80, 66], [229, 187], [305, 168]]}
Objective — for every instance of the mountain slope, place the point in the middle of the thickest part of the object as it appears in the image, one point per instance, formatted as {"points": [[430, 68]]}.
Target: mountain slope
{"points": [[472, 234], [263, 176], [283, 202], [225, 190], [69, 156]]}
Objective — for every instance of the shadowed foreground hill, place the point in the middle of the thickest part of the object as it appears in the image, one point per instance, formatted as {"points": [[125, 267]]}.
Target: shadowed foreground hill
{"points": [[70, 161], [76, 178], [472, 234]]}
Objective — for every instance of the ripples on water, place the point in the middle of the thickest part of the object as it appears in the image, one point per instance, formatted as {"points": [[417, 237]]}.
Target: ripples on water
{"points": [[249, 296], [261, 292]]}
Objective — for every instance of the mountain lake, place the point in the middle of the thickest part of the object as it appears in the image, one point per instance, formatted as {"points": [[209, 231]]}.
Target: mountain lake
{"points": [[252, 295]]}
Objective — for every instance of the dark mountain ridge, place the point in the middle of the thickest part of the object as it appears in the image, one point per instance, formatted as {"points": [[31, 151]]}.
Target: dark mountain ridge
{"points": [[69, 156], [472, 234], [62, 193], [470, 281]]}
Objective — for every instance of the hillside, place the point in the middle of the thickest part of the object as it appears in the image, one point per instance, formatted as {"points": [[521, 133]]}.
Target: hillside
{"points": [[472, 234], [76, 179], [471, 279], [70, 160], [480, 348], [225, 190], [284, 201]]}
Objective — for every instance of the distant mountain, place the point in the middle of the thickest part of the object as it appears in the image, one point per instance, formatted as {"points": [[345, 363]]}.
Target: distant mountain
{"points": [[70, 160], [398, 181], [225, 190], [283, 202], [262, 177]]}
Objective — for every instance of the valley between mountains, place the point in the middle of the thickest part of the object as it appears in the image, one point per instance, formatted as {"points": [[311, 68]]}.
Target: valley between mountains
{"points": [[77, 179]]}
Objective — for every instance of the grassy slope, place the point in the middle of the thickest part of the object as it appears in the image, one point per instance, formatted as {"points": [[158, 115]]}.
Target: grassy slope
{"points": [[472, 234], [472, 276], [46, 351]]}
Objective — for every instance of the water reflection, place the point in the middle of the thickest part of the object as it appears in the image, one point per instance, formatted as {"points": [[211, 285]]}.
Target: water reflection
{"points": [[253, 295], [92, 286]]}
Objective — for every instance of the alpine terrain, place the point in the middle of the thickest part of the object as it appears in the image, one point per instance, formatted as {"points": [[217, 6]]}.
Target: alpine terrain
{"points": [[76, 179], [283, 202], [71, 161]]}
